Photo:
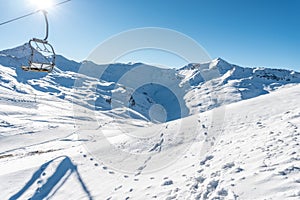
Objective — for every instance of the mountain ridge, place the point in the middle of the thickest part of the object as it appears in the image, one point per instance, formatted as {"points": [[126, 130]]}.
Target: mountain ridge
{"points": [[194, 88]]}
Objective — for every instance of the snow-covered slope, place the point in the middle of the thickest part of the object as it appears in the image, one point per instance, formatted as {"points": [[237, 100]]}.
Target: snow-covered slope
{"points": [[256, 155], [234, 83], [205, 131], [192, 89]]}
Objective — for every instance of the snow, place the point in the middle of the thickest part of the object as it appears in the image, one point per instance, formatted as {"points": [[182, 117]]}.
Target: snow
{"points": [[73, 135]]}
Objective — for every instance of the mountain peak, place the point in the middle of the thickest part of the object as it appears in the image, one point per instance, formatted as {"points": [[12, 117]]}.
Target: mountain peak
{"points": [[220, 62], [219, 59], [222, 65], [18, 52]]}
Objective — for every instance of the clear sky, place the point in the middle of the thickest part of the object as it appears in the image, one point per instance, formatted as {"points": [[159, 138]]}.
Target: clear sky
{"points": [[244, 32]]}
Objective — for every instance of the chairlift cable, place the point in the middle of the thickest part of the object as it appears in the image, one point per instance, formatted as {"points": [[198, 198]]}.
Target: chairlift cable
{"points": [[32, 13]]}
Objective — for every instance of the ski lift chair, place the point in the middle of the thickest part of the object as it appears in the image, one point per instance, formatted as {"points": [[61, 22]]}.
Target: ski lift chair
{"points": [[42, 57]]}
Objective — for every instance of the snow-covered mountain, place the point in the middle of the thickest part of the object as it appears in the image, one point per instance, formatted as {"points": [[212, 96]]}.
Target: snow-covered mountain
{"points": [[206, 131], [181, 92]]}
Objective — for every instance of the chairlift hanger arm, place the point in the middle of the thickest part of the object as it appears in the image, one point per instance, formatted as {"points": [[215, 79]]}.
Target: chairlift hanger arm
{"points": [[47, 24], [47, 28]]}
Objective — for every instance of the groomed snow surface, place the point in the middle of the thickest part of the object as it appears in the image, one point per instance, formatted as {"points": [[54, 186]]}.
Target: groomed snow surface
{"points": [[69, 135]]}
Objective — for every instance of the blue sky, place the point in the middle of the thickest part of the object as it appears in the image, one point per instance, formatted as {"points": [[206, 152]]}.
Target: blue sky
{"points": [[245, 32]]}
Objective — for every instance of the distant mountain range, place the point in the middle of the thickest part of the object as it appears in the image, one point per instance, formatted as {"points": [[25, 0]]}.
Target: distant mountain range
{"points": [[178, 93]]}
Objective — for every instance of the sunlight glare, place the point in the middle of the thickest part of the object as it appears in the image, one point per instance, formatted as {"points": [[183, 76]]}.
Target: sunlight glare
{"points": [[42, 4]]}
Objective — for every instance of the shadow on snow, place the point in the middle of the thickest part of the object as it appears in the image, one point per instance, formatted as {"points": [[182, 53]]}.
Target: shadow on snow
{"points": [[63, 171]]}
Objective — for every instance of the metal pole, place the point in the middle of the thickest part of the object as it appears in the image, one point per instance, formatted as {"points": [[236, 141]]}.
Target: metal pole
{"points": [[47, 24]]}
